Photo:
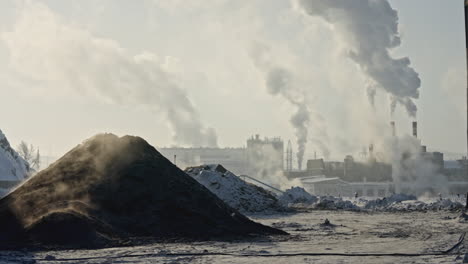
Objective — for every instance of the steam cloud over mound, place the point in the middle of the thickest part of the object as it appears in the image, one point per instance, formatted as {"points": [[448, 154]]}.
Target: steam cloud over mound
{"points": [[108, 190], [370, 30]]}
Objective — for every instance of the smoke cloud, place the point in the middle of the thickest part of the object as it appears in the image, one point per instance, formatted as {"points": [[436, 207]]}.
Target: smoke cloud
{"points": [[370, 29], [413, 171], [64, 55], [280, 81]]}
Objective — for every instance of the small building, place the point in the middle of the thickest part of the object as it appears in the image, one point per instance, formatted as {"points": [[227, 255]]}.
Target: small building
{"points": [[316, 167], [326, 186], [321, 185]]}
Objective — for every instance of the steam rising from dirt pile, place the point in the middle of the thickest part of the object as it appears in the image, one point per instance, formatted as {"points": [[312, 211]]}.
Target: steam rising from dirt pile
{"points": [[108, 190]]}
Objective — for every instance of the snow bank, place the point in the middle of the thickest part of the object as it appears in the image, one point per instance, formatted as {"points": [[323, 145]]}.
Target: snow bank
{"points": [[240, 195], [410, 203], [297, 195], [387, 201], [333, 203], [249, 198], [444, 204], [396, 202], [12, 166]]}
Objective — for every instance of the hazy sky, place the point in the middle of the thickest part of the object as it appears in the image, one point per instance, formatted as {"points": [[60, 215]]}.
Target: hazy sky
{"points": [[71, 69]]}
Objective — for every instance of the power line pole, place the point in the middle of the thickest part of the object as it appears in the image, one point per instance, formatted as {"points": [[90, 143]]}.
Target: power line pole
{"points": [[466, 45]]}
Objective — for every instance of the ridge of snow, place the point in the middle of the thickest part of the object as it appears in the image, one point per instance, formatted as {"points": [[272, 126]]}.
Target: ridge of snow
{"points": [[12, 166], [296, 195], [240, 195]]}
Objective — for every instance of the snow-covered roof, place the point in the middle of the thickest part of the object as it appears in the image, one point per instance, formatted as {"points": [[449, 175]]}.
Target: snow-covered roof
{"points": [[321, 180]]}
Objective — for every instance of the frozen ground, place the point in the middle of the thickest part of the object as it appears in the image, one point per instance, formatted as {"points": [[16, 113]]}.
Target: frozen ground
{"points": [[353, 237]]}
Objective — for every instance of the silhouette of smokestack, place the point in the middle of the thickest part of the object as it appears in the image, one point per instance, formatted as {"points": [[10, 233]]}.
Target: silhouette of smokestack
{"points": [[392, 125], [415, 129]]}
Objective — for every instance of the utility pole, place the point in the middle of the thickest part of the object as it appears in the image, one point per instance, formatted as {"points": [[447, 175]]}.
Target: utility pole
{"points": [[466, 46]]}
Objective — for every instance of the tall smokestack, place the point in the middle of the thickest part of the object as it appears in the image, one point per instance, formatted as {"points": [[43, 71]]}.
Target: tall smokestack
{"points": [[299, 164], [392, 125], [289, 156], [415, 129]]}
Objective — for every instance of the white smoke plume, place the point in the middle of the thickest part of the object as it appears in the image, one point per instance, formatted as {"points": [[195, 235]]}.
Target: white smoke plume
{"points": [[61, 54], [370, 30], [413, 171], [280, 81]]}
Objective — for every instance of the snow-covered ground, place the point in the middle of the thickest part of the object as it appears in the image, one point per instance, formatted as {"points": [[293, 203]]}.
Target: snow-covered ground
{"points": [[352, 237], [12, 166], [250, 198], [240, 195]]}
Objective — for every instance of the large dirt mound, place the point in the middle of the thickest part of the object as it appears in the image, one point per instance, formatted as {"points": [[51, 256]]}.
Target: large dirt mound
{"points": [[110, 190]]}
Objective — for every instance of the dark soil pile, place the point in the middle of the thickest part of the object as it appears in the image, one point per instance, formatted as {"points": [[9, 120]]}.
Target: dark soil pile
{"points": [[112, 191]]}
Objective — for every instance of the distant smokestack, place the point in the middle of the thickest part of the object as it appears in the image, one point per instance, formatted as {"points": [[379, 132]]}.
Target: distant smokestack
{"points": [[289, 156], [415, 129], [392, 125], [423, 149]]}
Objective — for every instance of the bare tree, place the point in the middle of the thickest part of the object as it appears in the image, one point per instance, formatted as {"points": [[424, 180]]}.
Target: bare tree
{"points": [[30, 154]]}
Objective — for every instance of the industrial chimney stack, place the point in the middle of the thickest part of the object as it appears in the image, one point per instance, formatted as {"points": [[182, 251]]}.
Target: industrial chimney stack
{"points": [[289, 157], [392, 124], [415, 129]]}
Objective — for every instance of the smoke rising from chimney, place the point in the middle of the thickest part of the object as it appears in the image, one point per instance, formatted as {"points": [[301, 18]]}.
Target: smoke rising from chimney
{"points": [[280, 81], [370, 30], [66, 56]]}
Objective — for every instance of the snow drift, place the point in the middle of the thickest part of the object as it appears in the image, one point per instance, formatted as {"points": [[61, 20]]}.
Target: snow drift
{"points": [[242, 196], [12, 166], [299, 198], [297, 195], [112, 191]]}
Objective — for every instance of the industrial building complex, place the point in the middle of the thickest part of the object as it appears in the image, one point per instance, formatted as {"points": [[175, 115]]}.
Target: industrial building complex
{"points": [[267, 157]]}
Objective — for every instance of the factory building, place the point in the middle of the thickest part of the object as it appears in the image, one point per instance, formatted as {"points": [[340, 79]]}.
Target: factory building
{"points": [[258, 158], [373, 178]]}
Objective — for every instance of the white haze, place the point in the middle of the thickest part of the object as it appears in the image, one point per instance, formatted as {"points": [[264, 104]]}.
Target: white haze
{"points": [[325, 60], [414, 174], [280, 81], [70, 57]]}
